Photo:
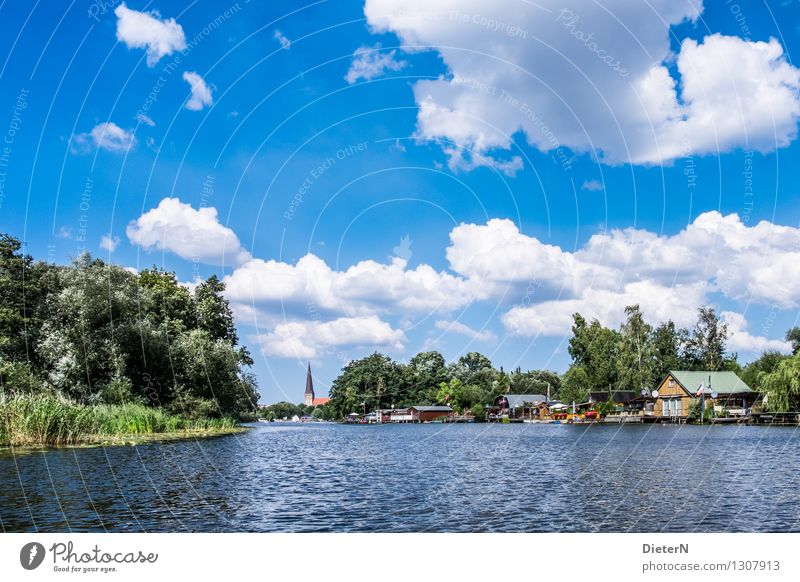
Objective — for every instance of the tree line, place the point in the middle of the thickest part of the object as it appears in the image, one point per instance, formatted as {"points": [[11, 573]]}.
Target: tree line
{"points": [[94, 332], [634, 356]]}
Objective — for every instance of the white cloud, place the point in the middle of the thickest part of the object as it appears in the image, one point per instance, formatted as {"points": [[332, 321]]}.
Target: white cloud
{"points": [[485, 336], [142, 118], [668, 276], [368, 287], [285, 42], [107, 136], [146, 30], [593, 78], [312, 339], [370, 62], [592, 186], [109, 243], [740, 340], [195, 235], [201, 94]]}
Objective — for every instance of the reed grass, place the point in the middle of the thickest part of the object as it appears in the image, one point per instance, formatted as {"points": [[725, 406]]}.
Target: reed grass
{"points": [[50, 420]]}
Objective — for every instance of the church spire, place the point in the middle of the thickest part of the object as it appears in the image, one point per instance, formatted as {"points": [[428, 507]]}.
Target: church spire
{"points": [[309, 396]]}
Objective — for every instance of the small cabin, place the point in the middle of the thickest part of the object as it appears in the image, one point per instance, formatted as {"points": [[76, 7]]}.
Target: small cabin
{"points": [[724, 391]]}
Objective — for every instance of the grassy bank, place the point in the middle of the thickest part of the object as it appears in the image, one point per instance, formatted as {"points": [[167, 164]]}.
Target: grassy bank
{"points": [[47, 420]]}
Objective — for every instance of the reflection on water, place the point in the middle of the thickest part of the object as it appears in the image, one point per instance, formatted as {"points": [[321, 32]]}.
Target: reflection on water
{"points": [[324, 477]]}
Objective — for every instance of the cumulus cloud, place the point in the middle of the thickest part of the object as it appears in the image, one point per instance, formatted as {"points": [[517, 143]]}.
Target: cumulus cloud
{"points": [[109, 243], [195, 235], [740, 339], [669, 276], [594, 78], [371, 62], [368, 287], [201, 93], [146, 30], [484, 336], [312, 339], [537, 286], [105, 136]]}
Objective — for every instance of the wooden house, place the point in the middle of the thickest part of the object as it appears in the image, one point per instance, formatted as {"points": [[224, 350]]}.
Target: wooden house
{"points": [[518, 405], [429, 413], [724, 391]]}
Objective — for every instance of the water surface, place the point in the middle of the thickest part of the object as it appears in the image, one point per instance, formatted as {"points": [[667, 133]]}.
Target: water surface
{"points": [[413, 478]]}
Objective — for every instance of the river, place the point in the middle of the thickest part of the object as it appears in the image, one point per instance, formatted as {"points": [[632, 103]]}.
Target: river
{"points": [[287, 477]]}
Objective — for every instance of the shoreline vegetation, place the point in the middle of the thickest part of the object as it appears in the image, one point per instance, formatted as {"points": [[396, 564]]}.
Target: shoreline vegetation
{"points": [[634, 357], [92, 353], [53, 421]]}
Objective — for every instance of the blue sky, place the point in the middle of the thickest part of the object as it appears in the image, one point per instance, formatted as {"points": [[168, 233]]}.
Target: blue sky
{"points": [[398, 177]]}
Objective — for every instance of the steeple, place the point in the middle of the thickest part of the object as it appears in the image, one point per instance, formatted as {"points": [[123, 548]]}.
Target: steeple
{"points": [[309, 396]]}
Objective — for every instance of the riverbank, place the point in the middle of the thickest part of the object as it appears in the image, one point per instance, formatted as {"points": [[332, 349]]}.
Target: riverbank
{"points": [[48, 420]]}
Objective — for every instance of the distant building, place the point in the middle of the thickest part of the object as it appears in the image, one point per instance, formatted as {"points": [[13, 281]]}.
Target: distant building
{"points": [[428, 413], [310, 399]]}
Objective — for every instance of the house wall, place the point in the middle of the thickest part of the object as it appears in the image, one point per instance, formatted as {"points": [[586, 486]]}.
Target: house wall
{"points": [[426, 416], [670, 389]]}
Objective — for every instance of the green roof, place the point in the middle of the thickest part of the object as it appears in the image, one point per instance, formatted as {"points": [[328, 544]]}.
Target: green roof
{"points": [[721, 382]]}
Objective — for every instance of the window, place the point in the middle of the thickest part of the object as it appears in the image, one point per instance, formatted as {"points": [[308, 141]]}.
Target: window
{"points": [[665, 407], [672, 382], [678, 407]]}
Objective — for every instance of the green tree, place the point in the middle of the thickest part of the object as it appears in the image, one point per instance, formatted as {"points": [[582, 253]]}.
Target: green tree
{"points": [[706, 347], [594, 349], [425, 372], [782, 385], [535, 382], [765, 364], [369, 383], [575, 385], [667, 347], [635, 357], [793, 337]]}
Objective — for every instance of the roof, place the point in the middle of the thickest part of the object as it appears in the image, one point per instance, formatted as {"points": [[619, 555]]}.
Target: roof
{"points": [[519, 400], [320, 401], [431, 408], [721, 382]]}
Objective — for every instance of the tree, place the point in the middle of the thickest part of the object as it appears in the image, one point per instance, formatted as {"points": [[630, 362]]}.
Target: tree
{"points": [[765, 364], [535, 382], [793, 337], [372, 382], [667, 346], [425, 372], [575, 385], [635, 359], [595, 348], [214, 315], [782, 385], [705, 348]]}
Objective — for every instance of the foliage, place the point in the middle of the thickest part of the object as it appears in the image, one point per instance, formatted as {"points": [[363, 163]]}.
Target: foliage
{"points": [[49, 419], [636, 352], [782, 385], [705, 347], [97, 333], [793, 337]]}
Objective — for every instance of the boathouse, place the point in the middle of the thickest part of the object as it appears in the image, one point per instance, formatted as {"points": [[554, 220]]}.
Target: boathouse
{"points": [[728, 394], [429, 413]]}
